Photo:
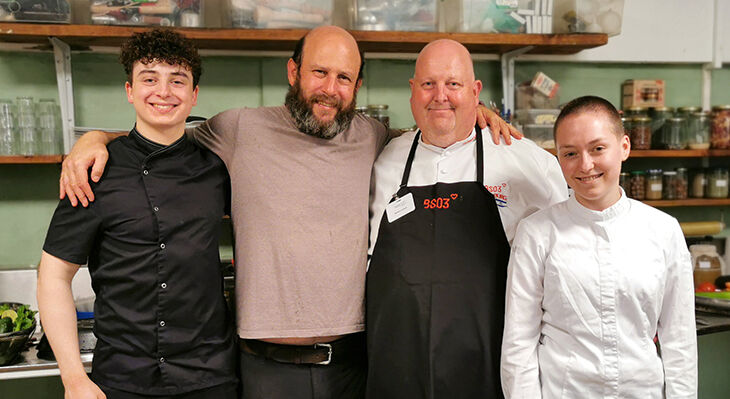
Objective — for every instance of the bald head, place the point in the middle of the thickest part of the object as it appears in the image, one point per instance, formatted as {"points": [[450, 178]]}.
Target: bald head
{"points": [[444, 93], [333, 35], [446, 49]]}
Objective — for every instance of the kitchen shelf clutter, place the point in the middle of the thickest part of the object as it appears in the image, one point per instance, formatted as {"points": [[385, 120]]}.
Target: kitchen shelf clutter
{"points": [[82, 37]]}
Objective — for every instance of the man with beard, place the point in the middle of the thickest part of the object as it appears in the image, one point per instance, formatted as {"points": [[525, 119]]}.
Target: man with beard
{"points": [[300, 179]]}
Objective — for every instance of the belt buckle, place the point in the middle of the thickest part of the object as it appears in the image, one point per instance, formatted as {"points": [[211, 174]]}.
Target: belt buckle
{"points": [[329, 353]]}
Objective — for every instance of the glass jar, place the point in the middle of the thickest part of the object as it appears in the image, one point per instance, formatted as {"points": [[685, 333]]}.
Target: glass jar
{"points": [[698, 131], [720, 133], [361, 110], [640, 133], [624, 181], [658, 115], [635, 112], [380, 112], [672, 134], [682, 183], [717, 183], [653, 184], [699, 183], [637, 185], [669, 185]]}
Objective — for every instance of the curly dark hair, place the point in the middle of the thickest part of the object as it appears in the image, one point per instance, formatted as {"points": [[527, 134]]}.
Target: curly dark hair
{"points": [[161, 45]]}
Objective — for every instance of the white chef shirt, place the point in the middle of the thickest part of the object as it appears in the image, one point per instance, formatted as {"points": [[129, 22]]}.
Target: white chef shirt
{"points": [[587, 292], [522, 177]]}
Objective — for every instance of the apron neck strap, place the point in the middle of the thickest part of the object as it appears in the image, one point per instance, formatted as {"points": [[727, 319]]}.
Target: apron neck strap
{"points": [[412, 155]]}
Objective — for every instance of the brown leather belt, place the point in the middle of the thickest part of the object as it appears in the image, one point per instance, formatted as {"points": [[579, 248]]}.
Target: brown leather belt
{"points": [[349, 348]]}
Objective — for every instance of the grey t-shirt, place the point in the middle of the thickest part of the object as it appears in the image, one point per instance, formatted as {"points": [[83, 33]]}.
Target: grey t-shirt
{"points": [[300, 212]]}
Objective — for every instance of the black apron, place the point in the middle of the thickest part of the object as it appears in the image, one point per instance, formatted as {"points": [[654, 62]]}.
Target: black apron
{"points": [[435, 293]]}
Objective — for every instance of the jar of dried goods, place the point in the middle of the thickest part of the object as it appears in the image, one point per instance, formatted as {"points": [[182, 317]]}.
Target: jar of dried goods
{"points": [[654, 184], [720, 133]]}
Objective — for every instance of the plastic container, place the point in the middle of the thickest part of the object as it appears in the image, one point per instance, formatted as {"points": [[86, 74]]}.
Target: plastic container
{"points": [[720, 133], [588, 16], [537, 116], [400, 15], [46, 11], [527, 97], [185, 13], [706, 263], [542, 135], [489, 17], [653, 184]]}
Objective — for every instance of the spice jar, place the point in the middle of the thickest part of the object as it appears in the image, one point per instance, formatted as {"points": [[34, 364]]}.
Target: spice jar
{"points": [[672, 134], [624, 181], [669, 185], [698, 131], [698, 183], [627, 125], [707, 264], [640, 133], [717, 183], [720, 133], [653, 184], [658, 115], [637, 185], [682, 183], [379, 112]]}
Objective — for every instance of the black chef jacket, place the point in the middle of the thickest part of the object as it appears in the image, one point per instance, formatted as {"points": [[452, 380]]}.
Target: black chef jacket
{"points": [[151, 240]]}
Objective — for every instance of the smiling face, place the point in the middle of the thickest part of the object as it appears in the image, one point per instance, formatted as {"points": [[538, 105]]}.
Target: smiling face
{"points": [[324, 85], [590, 154], [444, 94], [162, 95]]}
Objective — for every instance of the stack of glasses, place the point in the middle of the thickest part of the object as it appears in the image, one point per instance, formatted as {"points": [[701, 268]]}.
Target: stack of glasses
{"points": [[29, 128]]}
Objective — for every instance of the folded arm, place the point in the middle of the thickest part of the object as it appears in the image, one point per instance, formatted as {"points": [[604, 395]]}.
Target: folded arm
{"points": [[58, 316]]}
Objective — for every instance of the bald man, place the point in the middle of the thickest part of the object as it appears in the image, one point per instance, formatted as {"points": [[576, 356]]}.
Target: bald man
{"points": [[444, 209], [300, 179]]}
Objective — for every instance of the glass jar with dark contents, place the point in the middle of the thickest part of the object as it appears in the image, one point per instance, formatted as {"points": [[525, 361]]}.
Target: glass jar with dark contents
{"points": [[720, 133], [637, 185], [640, 133]]}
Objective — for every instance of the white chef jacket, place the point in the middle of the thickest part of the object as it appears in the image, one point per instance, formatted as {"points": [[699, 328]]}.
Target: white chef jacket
{"points": [[522, 177], [587, 292]]}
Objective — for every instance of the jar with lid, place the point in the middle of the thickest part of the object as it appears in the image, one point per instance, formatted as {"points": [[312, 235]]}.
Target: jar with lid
{"points": [[658, 115], [672, 134], [720, 132], [379, 112], [640, 133], [717, 183], [669, 185], [637, 185], [635, 112], [707, 265], [361, 110], [682, 183], [699, 183], [627, 125], [698, 131], [653, 184], [623, 181]]}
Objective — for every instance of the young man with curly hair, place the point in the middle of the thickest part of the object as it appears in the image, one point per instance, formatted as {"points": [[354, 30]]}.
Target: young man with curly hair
{"points": [[150, 240]]}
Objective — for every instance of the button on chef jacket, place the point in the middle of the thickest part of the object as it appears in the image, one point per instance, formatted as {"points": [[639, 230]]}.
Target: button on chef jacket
{"points": [[151, 241], [587, 292]]}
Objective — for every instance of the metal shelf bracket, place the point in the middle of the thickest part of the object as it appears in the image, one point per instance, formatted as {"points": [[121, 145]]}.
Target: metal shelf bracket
{"points": [[508, 76], [62, 55]]}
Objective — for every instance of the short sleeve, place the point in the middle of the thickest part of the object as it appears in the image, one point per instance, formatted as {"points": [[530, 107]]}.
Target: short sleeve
{"points": [[72, 232]]}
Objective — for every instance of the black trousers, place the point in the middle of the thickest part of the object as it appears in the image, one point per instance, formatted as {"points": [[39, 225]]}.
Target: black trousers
{"points": [[263, 378], [223, 391]]}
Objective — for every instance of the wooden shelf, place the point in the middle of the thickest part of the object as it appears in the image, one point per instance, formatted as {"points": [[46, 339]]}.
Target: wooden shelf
{"points": [[81, 37], [688, 202], [672, 153], [30, 159]]}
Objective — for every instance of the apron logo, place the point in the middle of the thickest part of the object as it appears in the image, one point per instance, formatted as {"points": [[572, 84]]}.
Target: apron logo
{"points": [[439, 203]]}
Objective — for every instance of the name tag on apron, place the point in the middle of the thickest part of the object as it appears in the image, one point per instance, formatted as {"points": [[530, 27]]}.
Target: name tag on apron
{"points": [[400, 207]]}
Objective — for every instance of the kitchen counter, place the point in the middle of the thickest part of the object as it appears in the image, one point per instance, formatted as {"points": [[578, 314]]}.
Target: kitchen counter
{"points": [[31, 366], [708, 323]]}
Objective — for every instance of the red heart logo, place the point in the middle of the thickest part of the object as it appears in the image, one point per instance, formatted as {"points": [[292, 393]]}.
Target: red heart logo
{"points": [[454, 196]]}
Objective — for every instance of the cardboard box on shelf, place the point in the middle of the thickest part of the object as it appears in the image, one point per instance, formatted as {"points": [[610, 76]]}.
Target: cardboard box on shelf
{"points": [[642, 93]]}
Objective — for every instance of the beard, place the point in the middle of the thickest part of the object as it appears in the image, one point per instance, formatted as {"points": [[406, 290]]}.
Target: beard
{"points": [[301, 110]]}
